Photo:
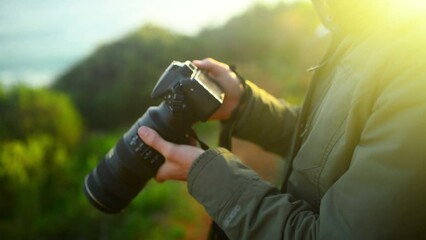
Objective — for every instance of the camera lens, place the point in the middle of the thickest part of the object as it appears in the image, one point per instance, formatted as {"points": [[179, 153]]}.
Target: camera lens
{"points": [[117, 179], [188, 97], [130, 164]]}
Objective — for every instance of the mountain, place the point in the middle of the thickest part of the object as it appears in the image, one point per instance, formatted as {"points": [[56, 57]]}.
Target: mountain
{"points": [[271, 45]]}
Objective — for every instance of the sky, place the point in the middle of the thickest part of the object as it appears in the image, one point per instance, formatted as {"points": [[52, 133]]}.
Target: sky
{"points": [[41, 39]]}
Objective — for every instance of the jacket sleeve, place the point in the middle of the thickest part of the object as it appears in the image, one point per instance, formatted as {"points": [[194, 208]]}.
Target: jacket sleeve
{"points": [[242, 204], [265, 120], [381, 196]]}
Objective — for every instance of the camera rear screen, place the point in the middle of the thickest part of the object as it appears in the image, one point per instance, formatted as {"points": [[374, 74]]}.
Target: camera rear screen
{"points": [[210, 85]]}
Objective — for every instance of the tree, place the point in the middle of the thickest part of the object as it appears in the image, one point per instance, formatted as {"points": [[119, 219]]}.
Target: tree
{"points": [[38, 131], [27, 112], [112, 87]]}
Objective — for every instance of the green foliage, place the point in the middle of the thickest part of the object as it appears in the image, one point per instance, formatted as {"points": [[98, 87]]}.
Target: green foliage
{"points": [[32, 174], [161, 211], [27, 112], [38, 129], [113, 86]]}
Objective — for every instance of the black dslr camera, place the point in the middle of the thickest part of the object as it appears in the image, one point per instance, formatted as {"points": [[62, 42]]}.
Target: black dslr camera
{"points": [[189, 96]]}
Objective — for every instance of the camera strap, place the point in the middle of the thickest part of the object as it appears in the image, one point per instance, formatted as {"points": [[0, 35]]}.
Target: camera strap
{"points": [[194, 135], [225, 141]]}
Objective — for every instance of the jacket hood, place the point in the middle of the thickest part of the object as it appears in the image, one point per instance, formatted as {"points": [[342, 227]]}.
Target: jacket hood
{"points": [[358, 15]]}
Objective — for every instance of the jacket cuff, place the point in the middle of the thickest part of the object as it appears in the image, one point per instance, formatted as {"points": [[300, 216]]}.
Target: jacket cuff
{"points": [[212, 180], [246, 104], [257, 102]]}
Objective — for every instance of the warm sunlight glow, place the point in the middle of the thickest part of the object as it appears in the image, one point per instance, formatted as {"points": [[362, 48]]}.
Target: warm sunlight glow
{"points": [[408, 9], [410, 6], [408, 13], [386, 13]]}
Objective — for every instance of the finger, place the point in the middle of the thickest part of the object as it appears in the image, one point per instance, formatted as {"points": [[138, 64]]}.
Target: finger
{"points": [[193, 141], [205, 64], [153, 139], [161, 175], [211, 65]]}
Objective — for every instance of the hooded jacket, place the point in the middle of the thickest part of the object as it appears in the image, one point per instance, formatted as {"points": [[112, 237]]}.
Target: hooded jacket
{"points": [[356, 148]]}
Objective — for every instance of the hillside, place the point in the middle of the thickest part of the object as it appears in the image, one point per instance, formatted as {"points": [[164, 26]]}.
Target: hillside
{"points": [[270, 45]]}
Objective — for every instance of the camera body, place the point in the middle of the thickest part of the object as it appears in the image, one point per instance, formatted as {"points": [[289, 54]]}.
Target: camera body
{"points": [[189, 96], [200, 94]]}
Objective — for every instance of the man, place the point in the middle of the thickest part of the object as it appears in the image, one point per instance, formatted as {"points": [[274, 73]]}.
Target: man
{"points": [[356, 147]]}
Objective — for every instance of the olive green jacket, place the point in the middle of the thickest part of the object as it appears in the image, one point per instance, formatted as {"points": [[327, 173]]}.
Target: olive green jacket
{"points": [[357, 149]]}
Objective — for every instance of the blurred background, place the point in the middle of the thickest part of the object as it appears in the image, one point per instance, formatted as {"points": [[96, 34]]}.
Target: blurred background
{"points": [[74, 75]]}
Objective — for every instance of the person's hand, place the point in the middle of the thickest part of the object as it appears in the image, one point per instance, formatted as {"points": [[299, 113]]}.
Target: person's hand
{"points": [[178, 158], [229, 82]]}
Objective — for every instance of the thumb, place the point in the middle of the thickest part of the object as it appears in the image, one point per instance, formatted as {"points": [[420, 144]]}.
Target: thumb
{"points": [[205, 63], [154, 140], [210, 65]]}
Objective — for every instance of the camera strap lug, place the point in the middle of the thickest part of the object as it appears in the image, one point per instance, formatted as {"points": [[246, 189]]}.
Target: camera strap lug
{"points": [[194, 135]]}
